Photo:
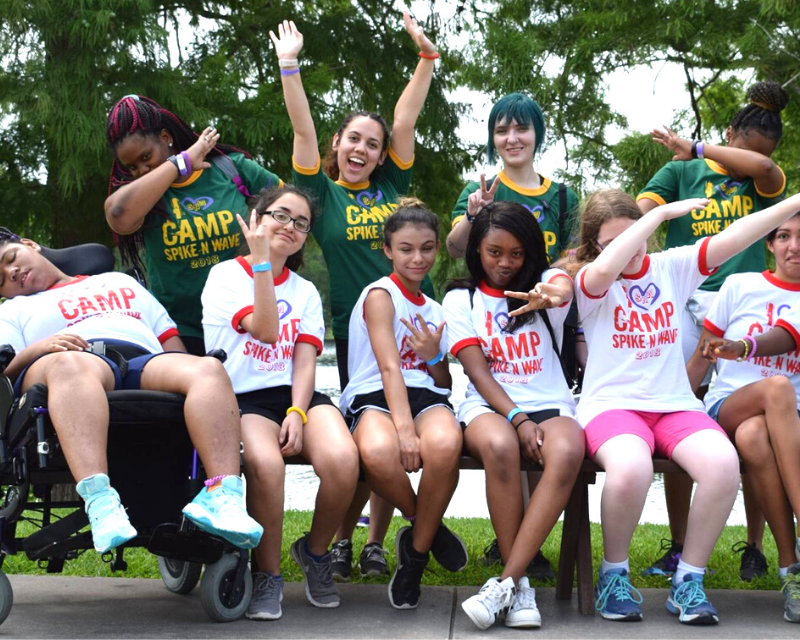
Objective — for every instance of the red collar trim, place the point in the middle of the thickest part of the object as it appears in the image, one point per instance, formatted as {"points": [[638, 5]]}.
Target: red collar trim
{"points": [[781, 284], [75, 280], [280, 279], [418, 299], [641, 273], [489, 291]]}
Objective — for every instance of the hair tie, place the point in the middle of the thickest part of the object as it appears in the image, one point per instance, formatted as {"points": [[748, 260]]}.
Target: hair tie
{"points": [[763, 105], [131, 95]]}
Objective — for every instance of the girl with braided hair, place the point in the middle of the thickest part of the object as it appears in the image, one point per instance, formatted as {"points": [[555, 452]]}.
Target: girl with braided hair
{"points": [[738, 179], [176, 194]]}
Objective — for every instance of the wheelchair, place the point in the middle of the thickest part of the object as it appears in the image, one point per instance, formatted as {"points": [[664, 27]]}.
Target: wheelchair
{"points": [[152, 464]]}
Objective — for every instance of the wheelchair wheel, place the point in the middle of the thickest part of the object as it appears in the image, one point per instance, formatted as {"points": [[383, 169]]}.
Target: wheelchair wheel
{"points": [[179, 576], [222, 599], [6, 597]]}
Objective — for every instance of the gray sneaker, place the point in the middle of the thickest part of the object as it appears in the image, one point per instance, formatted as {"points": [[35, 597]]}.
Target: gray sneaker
{"points": [[320, 589], [790, 585], [267, 597]]}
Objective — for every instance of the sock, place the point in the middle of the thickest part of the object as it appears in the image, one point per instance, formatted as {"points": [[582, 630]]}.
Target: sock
{"points": [[315, 558], [608, 566], [783, 572], [684, 568]]}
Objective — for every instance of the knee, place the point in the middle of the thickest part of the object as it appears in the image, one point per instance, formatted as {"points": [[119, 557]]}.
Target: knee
{"points": [[68, 366], [210, 371], [630, 476], [721, 470], [501, 453], [264, 470], [380, 453], [753, 443], [338, 464], [566, 451], [441, 449], [779, 392]]}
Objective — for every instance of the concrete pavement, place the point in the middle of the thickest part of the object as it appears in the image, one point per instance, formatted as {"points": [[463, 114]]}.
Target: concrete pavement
{"points": [[65, 607]]}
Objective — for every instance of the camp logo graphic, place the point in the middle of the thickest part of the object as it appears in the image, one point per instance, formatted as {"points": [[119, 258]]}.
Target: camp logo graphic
{"points": [[197, 206], [723, 190], [501, 319], [644, 298], [537, 211], [284, 309], [431, 326], [368, 199]]}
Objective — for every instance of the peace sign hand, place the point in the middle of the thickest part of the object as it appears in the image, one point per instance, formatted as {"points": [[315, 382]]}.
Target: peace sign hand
{"points": [[257, 236], [479, 199], [542, 296], [289, 42], [424, 342]]}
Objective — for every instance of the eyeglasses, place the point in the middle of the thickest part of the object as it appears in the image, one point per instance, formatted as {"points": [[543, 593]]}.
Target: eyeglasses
{"points": [[301, 224]]}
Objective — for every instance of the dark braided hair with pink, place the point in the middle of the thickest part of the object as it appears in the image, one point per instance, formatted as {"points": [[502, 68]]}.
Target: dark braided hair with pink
{"points": [[762, 114], [139, 115]]}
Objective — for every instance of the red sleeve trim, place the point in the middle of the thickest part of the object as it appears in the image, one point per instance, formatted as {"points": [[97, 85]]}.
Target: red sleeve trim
{"points": [[309, 339], [710, 326], [240, 315], [169, 333], [792, 331], [703, 259], [585, 292], [466, 342]]}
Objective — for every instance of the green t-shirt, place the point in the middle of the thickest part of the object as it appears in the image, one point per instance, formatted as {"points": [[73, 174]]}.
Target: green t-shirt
{"points": [[198, 231], [729, 201], [349, 230], [543, 203]]}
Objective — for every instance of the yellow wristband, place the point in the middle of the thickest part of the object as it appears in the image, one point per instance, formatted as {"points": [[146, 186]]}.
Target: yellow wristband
{"points": [[302, 413]]}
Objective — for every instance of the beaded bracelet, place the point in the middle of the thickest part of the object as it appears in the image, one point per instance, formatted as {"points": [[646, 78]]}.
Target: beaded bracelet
{"points": [[299, 411], [753, 346], [212, 481]]}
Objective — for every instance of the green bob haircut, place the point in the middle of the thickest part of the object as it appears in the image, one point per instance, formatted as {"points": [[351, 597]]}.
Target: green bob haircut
{"points": [[519, 107]]}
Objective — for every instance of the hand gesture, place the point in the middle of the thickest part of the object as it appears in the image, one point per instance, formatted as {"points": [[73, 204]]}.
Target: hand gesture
{"points": [[61, 342], [291, 436], [714, 348], [424, 342], [680, 208], [418, 35], [202, 146], [409, 449], [542, 296], [531, 438], [479, 199], [668, 138], [257, 236], [289, 41]]}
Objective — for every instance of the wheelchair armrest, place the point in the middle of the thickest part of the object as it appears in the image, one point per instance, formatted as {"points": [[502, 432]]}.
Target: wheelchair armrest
{"points": [[7, 354], [219, 354]]}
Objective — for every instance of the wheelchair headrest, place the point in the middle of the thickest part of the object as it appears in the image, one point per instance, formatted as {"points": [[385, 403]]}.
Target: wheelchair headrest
{"points": [[82, 260]]}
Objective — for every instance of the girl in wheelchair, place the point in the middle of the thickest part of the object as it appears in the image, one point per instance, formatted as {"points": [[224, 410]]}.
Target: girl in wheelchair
{"points": [[51, 319], [269, 321]]}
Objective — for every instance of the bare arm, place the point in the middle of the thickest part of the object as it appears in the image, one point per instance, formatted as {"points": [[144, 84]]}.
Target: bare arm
{"points": [[412, 99], [174, 344], [774, 342], [304, 364], [288, 45], [263, 324], [457, 238], [54, 344], [697, 367]]}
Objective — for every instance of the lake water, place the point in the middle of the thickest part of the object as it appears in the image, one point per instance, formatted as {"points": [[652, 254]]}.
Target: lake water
{"points": [[469, 500]]}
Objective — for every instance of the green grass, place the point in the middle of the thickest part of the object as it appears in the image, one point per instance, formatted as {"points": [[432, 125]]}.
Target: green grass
{"points": [[476, 533]]}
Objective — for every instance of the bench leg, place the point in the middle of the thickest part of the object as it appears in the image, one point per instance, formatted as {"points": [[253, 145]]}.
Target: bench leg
{"points": [[584, 545], [576, 547]]}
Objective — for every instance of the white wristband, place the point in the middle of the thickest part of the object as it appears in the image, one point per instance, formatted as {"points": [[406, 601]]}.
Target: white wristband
{"points": [[285, 63]]}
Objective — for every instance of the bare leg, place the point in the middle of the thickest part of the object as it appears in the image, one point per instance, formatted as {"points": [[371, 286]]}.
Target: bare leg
{"points": [[380, 517], [362, 494], [752, 510], [678, 493]]}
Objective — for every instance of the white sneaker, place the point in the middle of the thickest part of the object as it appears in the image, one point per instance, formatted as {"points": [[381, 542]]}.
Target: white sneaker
{"points": [[494, 598], [523, 612]]}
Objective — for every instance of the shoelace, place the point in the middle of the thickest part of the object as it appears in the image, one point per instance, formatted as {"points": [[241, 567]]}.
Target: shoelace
{"points": [[618, 587], [690, 594], [375, 552], [268, 587], [668, 549], [751, 556], [322, 572], [339, 550], [105, 505], [499, 598], [791, 586], [525, 598]]}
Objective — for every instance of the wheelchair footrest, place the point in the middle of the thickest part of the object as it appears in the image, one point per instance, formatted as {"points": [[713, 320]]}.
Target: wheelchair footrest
{"points": [[58, 537], [169, 541]]}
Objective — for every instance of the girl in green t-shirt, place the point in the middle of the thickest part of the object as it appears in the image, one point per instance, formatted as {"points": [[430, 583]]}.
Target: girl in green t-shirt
{"points": [[355, 199], [176, 195]]}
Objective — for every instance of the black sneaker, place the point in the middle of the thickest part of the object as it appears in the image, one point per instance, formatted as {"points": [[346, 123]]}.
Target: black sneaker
{"points": [[373, 560], [540, 570], [449, 550], [342, 560], [668, 562], [491, 554], [404, 585], [754, 564]]}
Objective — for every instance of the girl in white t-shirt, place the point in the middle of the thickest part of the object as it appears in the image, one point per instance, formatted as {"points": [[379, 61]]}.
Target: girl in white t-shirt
{"points": [[755, 398], [269, 321], [397, 397], [518, 397], [637, 399]]}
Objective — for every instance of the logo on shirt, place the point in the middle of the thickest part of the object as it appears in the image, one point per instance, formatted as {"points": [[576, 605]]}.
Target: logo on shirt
{"points": [[196, 206], [501, 319], [369, 199], [284, 309], [644, 298], [723, 190], [537, 212], [430, 324]]}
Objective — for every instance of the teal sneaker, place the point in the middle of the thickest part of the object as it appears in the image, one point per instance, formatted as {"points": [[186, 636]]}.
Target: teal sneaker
{"points": [[222, 512], [616, 598], [790, 585], [107, 516], [688, 600]]}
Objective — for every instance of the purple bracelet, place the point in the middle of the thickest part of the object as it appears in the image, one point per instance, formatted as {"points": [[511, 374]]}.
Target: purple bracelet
{"points": [[212, 481], [188, 162], [753, 346], [289, 72]]}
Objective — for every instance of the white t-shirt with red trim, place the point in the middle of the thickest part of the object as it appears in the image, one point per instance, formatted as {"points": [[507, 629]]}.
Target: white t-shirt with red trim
{"points": [[524, 363], [109, 306], [790, 321], [751, 304], [633, 334], [228, 298], [365, 377]]}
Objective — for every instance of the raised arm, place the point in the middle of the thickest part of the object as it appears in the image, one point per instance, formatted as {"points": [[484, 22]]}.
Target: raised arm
{"points": [[747, 230], [457, 238], [288, 44], [412, 99], [263, 324], [601, 274]]}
